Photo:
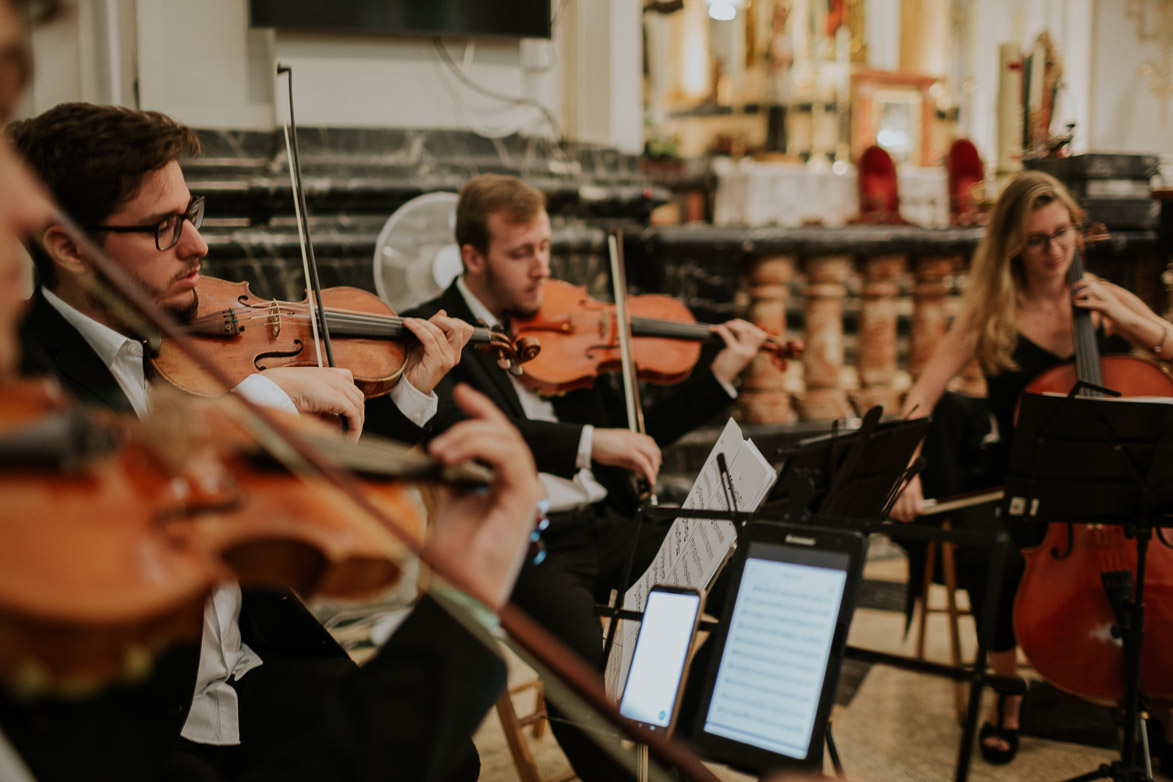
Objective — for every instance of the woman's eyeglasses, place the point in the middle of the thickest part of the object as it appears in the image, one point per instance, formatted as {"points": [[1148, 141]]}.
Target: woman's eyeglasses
{"points": [[1038, 243], [168, 230]]}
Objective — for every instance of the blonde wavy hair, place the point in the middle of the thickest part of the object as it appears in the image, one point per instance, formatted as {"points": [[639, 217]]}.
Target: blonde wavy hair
{"points": [[997, 285]]}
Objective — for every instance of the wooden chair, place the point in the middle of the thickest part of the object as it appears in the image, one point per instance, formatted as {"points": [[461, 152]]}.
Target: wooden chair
{"points": [[950, 610], [514, 727]]}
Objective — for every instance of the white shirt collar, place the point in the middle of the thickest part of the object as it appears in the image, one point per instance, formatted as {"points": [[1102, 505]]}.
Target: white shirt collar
{"points": [[105, 341], [479, 310], [120, 354]]}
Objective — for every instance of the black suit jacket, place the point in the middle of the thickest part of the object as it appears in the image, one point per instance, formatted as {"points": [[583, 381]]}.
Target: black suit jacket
{"points": [[431, 663], [555, 445], [52, 347]]}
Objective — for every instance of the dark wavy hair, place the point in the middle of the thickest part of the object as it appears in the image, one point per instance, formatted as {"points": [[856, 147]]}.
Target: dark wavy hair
{"points": [[94, 158]]}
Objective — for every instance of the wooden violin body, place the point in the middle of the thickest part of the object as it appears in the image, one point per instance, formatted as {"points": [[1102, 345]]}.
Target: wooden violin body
{"points": [[579, 338], [244, 334], [111, 550]]}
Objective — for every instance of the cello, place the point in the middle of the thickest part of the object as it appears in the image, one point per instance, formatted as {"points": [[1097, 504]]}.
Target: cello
{"points": [[1064, 618]]}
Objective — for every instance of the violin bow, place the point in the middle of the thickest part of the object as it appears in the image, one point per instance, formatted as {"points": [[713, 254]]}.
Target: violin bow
{"points": [[293, 450], [308, 262], [635, 413]]}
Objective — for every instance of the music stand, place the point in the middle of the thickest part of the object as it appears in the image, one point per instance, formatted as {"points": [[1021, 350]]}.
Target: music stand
{"points": [[1087, 460], [854, 475], [853, 480]]}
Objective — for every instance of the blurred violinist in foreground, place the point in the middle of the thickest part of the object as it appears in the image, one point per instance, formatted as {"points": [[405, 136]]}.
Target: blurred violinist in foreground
{"points": [[1017, 321], [294, 706]]}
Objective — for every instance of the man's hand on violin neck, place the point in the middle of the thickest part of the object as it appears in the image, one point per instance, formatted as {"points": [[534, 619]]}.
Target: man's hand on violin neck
{"points": [[482, 536], [323, 391], [743, 340], [631, 450], [441, 339]]}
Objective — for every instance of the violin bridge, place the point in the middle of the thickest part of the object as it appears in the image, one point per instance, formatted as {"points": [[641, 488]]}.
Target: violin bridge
{"points": [[274, 319]]}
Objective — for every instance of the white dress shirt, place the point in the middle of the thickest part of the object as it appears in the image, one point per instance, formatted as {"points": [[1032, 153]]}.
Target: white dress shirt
{"points": [[214, 715], [564, 494], [584, 489], [12, 768]]}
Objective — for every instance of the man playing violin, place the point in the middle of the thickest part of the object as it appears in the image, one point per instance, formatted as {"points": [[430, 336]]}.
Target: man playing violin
{"points": [[135, 200], [586, 457], [116, 172]]}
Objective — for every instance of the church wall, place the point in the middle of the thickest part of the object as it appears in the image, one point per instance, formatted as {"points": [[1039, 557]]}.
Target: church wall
{"points": [[1130, 116]]}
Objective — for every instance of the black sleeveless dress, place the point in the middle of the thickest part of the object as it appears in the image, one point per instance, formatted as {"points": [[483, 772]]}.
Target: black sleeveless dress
{"points": [[1004, 389], [1002, 392]]}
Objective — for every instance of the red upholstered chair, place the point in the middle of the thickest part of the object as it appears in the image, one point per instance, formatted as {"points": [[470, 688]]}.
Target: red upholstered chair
{"points": [[966, 174], [879, 198]]}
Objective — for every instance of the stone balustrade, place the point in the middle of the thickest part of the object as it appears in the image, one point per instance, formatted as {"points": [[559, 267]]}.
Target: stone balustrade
{"points": [[879, 297]]}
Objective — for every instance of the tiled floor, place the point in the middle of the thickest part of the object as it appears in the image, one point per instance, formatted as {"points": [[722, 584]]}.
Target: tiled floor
{"points": [[899, 726]]}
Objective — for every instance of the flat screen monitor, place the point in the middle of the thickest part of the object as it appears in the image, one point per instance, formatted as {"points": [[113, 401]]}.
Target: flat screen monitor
{"points": [[501, 18]]}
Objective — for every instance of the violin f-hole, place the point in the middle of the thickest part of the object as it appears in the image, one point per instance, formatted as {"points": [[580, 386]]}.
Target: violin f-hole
{"points": [[259, 360]]}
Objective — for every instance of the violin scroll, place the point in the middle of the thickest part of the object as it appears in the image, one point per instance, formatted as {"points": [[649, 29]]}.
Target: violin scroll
{"points": [[511, 353], [781, 352]]}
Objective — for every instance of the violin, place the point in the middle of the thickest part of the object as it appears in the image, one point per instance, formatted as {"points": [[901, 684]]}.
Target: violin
{"points": [[147, 518], [1063, 617], [244, 334], [579, 339], [92, 584]]}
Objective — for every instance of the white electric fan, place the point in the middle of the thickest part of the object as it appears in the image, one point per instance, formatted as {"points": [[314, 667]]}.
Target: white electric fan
{"points": [[416, 257]]}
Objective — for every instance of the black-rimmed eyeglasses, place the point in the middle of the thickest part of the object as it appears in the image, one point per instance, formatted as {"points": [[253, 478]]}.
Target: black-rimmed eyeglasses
{"points": [[1064, 236], [168, 230]]}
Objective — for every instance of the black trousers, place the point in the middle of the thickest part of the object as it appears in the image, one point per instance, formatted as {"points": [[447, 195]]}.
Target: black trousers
{"points": [[586, 558], [276, 701]]}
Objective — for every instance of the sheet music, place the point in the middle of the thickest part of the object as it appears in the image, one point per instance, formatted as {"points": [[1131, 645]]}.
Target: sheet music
{"points": [[694, 549], [767, 690]]}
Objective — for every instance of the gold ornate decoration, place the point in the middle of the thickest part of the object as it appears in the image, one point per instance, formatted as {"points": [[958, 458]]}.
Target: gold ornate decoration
{"points": [[1154, 24]]}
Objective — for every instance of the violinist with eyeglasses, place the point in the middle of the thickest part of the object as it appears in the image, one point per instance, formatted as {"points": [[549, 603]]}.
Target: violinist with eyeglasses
{"points": [[272, 696]]}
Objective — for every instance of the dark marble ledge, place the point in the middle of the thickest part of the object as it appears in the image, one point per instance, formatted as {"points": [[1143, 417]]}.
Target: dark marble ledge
{"points": [[383, 189], [355, 238], [412, 146]]}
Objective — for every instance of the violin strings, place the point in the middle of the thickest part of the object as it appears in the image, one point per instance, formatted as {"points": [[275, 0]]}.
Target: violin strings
{"points": [[385, 324]]}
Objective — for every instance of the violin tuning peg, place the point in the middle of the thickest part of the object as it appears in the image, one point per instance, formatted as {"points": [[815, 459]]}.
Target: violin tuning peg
{"points": [[516, 370], [505, 363]]}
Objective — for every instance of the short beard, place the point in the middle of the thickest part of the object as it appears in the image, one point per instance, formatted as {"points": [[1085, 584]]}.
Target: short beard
{"points": [[509, 312], [122, 316]]}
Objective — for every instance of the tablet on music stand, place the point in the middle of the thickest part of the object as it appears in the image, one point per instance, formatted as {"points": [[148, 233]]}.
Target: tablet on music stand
{"points": [[776, 659]]}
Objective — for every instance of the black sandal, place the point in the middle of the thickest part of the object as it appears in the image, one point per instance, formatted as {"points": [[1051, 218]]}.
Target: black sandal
{"points": [[996, 755]]}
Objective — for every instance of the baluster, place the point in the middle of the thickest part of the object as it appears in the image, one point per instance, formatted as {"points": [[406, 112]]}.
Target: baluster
{"points": [[763, 397], [930, 316], [930, 319], [822, 361], [877, 354]]}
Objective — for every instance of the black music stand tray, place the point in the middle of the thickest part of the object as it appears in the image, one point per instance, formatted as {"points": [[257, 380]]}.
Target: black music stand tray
{"points": [[1089, 460]]}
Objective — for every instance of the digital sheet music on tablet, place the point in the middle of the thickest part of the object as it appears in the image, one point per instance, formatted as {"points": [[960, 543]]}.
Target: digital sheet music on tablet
{"points": [[768, 686]]}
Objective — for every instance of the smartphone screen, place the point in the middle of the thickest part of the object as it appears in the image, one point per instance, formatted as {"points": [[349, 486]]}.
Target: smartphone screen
{"points": [[661, 651]]}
